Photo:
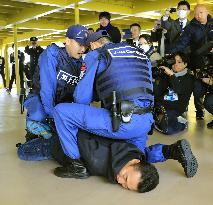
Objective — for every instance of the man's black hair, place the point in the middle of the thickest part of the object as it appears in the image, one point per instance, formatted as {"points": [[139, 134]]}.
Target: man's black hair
{"points": [[105, 14], [147, 37], [135, 24], [149, 177], [184, 3], [183, 56]]}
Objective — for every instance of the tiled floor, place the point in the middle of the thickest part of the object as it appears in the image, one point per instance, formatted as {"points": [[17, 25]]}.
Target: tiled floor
{"points": [[33, 183]]}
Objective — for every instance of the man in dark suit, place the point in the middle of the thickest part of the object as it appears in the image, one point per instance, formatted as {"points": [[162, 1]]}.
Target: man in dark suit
{"points": [[175, 27]]}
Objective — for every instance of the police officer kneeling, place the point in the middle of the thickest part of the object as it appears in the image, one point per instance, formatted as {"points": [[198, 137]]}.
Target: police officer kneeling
{"points": [[59, 70], [121, 75]]}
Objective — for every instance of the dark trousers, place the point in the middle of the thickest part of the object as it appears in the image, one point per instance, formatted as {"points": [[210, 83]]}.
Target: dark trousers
{"points": [[199, 91], [13, 77], [208, 103], [3, 76], [169, 123]]}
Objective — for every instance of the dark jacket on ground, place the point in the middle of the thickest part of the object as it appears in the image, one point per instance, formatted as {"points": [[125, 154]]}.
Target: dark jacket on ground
{"points": [[106, 157], [182, 85], [195, 36], [102, 156], [113, 32]]}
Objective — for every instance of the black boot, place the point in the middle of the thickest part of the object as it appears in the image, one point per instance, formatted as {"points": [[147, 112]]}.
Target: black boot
{"points": [[182, 152], [75, 169]]}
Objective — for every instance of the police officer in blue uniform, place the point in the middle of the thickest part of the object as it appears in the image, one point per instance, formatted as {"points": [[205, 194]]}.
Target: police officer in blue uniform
{"points": [[34, 53], [113, 68], [59, 70], [124, 69]]}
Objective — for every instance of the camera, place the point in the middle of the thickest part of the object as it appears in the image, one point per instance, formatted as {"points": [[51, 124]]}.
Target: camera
{"points": [[206, 69], [205, 61], [172, 10], [168, 60]]}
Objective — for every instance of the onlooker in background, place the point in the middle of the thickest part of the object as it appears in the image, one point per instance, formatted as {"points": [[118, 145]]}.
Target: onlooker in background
{"points": [[176, 27], [34, 53], [105, 24], [145, 43], [21, 69], [90, 30], [2, 62], [135, 29], [167, 31], [172, 94], [196, 35], [208, 101], [159, 35]]}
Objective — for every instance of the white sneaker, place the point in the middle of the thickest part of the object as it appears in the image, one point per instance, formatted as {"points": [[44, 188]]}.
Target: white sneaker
{"points": [[183, 121]]}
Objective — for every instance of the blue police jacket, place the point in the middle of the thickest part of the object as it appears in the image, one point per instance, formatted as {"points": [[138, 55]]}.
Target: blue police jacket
{"points": [[56, 77], [118, 67]]}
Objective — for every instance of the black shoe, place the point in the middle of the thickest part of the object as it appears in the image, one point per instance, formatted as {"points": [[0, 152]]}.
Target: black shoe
{"points": [[186, 158], [210, 125], [182, 152], [199, 115], [74, 170]]}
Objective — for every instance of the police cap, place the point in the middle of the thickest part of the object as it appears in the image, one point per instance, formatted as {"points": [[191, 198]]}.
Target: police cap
{"points": [[33, 39], [97, 35]]}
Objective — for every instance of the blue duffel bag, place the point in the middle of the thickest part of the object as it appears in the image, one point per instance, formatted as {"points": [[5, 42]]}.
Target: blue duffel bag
{"points": [[36, 149]]}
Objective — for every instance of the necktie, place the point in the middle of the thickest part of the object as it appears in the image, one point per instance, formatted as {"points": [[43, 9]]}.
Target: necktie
{"points": [[181, 25]]}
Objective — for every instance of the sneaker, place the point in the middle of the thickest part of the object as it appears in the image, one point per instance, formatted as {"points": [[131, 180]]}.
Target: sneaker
{"points": [[74, 170], [210, 125], [183, 121]]}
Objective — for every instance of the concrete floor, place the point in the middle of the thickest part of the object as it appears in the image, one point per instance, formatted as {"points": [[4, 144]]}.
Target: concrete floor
{"points": [[33, 183]]}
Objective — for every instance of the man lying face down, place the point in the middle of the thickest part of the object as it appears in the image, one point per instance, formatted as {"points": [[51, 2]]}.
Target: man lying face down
{"points": [[121, 162], [116, 160]]}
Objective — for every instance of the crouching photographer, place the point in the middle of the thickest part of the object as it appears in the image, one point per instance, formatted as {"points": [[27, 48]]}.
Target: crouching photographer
{"points": [[172, 91]]}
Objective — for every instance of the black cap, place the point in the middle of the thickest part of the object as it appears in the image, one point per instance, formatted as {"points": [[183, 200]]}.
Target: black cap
{"points": [[97, 35], [33, 39]]}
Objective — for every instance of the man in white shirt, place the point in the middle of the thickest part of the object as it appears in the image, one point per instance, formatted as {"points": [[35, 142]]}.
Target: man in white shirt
{"points": [[135, 29]]}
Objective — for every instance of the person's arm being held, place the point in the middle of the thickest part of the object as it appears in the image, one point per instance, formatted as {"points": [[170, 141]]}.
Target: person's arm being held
{"points": [[84, 90]]}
